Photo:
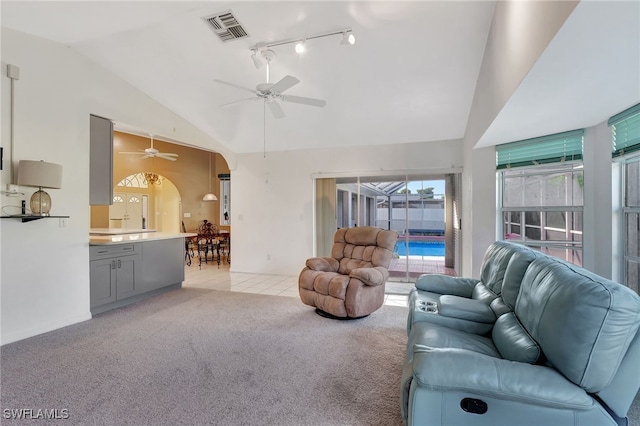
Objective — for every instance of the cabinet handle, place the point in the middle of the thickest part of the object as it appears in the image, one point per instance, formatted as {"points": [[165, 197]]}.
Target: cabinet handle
{"points": [[119, 264], [113, 264]]}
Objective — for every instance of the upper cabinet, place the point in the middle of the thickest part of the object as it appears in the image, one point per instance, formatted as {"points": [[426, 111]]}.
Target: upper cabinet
{"points": [[101, 161]]}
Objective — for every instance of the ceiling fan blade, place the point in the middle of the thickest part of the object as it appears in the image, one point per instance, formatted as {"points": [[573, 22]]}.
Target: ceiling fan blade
{"points": [[255, 98], [276, 109], [166, 157], [284, 84], [236, 86], [303, 100], [146, 156], [139, 153]]}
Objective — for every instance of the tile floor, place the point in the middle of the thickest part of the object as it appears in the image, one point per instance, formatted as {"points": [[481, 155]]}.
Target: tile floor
{"points": [[221, 278]]}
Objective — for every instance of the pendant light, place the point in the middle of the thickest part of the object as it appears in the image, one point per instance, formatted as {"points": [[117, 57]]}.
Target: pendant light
{"points": [[210, 196]]}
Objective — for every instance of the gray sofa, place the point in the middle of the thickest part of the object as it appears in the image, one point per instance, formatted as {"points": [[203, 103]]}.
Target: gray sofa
{"points": [[563, 347]]}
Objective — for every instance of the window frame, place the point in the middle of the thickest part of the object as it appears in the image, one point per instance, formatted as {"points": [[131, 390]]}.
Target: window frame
{"points": [[572, 250], [625, 258]]}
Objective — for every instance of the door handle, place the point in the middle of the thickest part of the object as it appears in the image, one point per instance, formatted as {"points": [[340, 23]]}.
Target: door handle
{"points": [[119, 264], [113, 264]]}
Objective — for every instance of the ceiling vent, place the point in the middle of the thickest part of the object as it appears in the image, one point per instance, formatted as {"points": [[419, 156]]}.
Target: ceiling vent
{"points": [[226, 26]]}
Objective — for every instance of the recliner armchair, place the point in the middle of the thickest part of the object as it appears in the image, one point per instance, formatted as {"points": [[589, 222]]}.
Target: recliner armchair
{"points": [[349, 283]]}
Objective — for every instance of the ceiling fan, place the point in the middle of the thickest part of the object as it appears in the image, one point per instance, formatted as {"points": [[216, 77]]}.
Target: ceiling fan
{"points": [[152, 152], [272, 93]]}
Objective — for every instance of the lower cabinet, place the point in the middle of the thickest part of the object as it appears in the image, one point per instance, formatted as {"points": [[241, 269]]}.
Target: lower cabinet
{"points": [[124, 273], [113, 276]]}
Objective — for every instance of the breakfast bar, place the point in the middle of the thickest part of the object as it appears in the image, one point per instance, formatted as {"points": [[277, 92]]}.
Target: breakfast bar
{"points": [[129, 267]]}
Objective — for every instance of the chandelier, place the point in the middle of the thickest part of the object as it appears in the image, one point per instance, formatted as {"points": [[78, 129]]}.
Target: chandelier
{"points": [[152, 178]]}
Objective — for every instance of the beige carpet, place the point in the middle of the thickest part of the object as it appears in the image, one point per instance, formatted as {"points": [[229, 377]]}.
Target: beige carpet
{"points": [[196, 356]]}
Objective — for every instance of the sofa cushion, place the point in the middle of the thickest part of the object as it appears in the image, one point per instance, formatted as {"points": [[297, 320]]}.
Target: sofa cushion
{"points": [[583, 323], [483, 294], [438, 336], [495, 264], [514, 274], [463, 308], [512, 340]]}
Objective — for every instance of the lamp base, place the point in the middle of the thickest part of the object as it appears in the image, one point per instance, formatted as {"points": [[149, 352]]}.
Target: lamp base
{"points": [[40, 203]]}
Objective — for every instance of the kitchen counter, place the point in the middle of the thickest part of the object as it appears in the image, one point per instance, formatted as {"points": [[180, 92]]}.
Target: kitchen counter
{"points": [[97, 240], [131, 267], [117, 231]]}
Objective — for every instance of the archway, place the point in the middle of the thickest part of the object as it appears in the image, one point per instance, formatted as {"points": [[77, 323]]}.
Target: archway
{"points": [[146, 200]]}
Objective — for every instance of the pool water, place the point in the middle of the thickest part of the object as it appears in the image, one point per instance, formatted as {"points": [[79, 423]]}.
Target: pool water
{"points": [[420, 248]]}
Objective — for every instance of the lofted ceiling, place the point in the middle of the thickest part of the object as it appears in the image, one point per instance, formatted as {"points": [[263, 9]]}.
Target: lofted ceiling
{"points": [[410, 77]]}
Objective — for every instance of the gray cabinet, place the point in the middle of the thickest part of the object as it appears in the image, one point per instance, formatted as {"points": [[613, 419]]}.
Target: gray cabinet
{"points": [[114, 273], [100, 161], [125, 273], [163, 263]]}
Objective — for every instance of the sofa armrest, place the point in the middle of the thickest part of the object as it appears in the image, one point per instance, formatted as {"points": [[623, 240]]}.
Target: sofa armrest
{"points": [[371, 276], [324, 264], [445, 284], [479, 374]]}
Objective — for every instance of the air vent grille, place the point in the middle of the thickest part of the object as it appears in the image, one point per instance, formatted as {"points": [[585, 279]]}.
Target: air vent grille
{"points": [[226, 26]]}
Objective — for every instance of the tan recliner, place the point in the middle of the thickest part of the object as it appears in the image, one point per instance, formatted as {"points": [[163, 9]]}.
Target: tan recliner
{"points": [[350, 283]]}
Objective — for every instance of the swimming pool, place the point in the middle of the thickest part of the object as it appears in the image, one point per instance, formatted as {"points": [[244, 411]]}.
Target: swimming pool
{"points": [[420, 248]]}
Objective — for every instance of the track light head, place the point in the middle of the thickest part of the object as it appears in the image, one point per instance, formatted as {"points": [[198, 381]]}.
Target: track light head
{"points": [[348, 38]]}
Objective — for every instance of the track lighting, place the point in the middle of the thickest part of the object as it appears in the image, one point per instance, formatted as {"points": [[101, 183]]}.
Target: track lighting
{"points": [[300, 43], [348, 38]]}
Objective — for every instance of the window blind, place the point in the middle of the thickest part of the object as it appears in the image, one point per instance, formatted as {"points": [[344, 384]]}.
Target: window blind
{"points": [[625, 131], [554, 148]]}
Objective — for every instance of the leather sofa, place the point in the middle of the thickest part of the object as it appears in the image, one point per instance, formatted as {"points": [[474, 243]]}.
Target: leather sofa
{"points": [[470, 304], [350, 283], [564, 349]]}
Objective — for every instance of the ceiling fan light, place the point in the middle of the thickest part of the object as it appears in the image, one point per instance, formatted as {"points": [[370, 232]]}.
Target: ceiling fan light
{"points": [[300, 47]]}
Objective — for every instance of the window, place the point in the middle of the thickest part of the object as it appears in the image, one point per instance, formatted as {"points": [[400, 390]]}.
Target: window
{"points": [[541, 206], [625, 131]]}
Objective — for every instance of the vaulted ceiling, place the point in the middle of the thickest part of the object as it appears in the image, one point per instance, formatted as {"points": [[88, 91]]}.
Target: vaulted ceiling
{"points": [[410, 76]]}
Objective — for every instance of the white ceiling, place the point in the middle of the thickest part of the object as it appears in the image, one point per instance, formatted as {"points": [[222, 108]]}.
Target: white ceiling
{"points": [[410, 77]]}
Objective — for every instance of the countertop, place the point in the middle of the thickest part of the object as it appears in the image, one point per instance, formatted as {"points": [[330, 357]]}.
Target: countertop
{"points": [[117, 231], [97, 240]]}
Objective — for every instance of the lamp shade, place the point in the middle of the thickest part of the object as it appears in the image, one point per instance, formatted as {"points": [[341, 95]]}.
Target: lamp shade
{"points": [[40, 174], [210, 197]]}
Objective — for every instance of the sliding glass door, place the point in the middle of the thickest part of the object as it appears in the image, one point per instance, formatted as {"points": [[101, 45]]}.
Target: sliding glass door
{"points": [[415, 206]]}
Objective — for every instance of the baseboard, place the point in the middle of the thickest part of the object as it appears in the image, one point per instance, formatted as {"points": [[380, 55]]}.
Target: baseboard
{"points": [[51, 326]]}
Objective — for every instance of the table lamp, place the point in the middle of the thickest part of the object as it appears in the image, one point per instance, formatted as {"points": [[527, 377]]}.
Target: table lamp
{"points": [[42, 175]]}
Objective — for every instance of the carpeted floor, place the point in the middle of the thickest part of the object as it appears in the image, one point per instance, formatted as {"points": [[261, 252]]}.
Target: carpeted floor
{"points": [[199, 356], [195, 356]]}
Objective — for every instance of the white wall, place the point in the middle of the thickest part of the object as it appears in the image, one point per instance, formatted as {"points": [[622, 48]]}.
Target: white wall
{"points": [[520, 31], [272, 204], [45, 269], [598, 191]]}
